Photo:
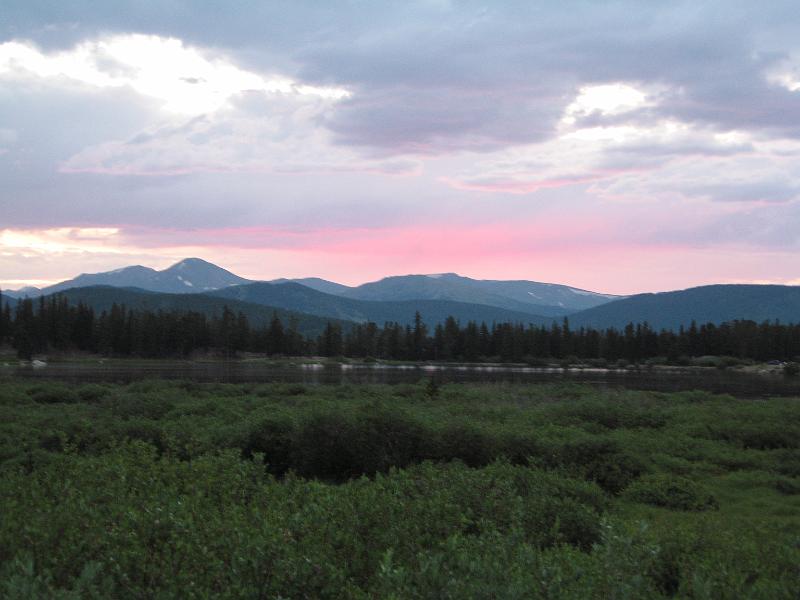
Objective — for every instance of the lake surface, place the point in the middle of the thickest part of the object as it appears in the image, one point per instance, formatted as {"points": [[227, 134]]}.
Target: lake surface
{"points": [[755, 385]]}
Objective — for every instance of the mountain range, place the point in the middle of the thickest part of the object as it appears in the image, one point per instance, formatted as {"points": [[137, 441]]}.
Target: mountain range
{"points": [[199, 285], [194, 275], [298, 297], [189, 276], [102, 298], [705, 304]]}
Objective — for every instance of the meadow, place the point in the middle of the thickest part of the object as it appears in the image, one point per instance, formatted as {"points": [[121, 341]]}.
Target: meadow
{"points": [[159, 489]]}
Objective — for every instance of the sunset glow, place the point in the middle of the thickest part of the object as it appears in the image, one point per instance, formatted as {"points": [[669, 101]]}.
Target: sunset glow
{"points": [[341, 145]]}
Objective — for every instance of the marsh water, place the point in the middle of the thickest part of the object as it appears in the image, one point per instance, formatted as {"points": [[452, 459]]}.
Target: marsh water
{"points": [[756, 385]]}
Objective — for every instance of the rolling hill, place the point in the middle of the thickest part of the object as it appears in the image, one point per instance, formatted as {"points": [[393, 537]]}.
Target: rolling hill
{"points": [[26, 292], [101, 298], [543, 299], [316, 283], [705, 304], [306, 300]]}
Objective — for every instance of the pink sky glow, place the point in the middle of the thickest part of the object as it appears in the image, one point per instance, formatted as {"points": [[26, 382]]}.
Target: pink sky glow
{"points": [[538, 252], [300, 139]]}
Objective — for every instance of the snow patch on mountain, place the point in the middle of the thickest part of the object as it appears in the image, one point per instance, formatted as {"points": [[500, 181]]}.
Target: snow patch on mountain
{"points": [[585, 293]]}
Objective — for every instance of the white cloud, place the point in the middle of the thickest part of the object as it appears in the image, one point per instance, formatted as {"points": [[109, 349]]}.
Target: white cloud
{"points": [[600, 154], [258, 132], [606, 99], [60, 240], [7, 136], [786, 74], [187, 80], [634, 160], [215, 117]]}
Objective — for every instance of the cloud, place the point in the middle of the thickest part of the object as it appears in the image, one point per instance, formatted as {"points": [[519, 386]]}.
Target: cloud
{"points": [[521, 184], [756, 177], [62, 240], [8, 136], [475, 66], [259, 132], [179, 76], [675, 126]]}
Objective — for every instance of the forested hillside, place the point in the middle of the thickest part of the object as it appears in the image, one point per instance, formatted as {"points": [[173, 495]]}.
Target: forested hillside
{"points": [[54, 324], [707, 304]]}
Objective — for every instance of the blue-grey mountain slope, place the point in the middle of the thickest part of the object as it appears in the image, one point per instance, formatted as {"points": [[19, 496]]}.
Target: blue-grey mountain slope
{"points": [[304, 299], [316, 283], [189, 276], [524, 296], [194, 275], [706, 304], [25, 292], [102, 298]]}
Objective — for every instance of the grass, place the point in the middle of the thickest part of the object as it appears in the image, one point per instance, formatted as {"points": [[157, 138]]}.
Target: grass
{"points": [[189, 490]]}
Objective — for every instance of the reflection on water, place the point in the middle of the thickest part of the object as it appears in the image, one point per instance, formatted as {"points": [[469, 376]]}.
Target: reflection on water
{"points": [[713, 380]]}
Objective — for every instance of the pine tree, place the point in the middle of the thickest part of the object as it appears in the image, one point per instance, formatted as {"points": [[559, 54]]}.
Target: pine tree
{"points": [[419, 336], [5, 319]]}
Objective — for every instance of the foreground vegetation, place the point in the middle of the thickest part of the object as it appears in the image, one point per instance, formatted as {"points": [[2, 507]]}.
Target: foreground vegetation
{"points": [[187, 490]]}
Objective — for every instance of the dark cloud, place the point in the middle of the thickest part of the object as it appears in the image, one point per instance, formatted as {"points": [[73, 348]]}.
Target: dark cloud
{"points": [[437, 76], [773, 227], [432, 78]]}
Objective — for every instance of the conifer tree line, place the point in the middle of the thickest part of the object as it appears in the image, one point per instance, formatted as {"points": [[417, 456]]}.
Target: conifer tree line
{"points": [[52, 324]]}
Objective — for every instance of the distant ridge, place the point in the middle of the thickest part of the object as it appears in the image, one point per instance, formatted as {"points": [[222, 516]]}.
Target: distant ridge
{"points": [[537, 298], [304, 299], [437, 296], [191, 275], [102, 298], [316, 283], [705, 304], [25, 292], [195, 275]]}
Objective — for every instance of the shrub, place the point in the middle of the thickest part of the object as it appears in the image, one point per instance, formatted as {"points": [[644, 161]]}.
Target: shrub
{"points": [[787, 485], [92, 393], [787, 462], [763, 435], [53, 394], [707, 361], [536, 361], [387, 437], [149, 406], [323, 448], [594, 458], [272, 437], [669, 491], [463, 442]]}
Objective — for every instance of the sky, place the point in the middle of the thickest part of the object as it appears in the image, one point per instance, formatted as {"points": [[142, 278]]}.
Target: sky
{"points": [[619, 147]]}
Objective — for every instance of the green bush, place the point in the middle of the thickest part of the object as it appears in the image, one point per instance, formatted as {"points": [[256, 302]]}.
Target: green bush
{"points": [[150, 490], [92, 393], [669, 491], [595, 458], [787, 485], [273, 438], [463, 442], [53, 394], [218, 526], [148, 406]]}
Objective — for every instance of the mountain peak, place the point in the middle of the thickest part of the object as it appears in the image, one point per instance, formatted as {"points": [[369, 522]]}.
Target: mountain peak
{"points": [[190, 275], [191, 262]]}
